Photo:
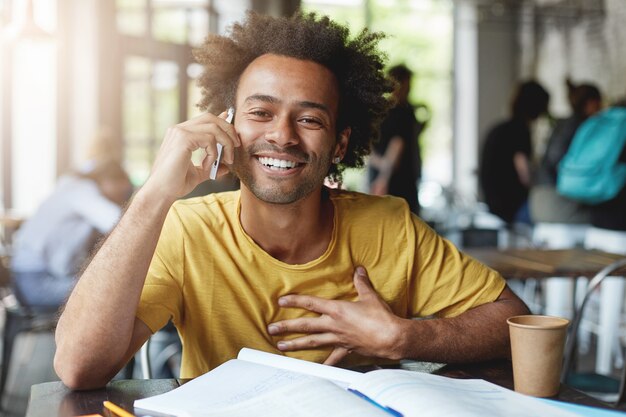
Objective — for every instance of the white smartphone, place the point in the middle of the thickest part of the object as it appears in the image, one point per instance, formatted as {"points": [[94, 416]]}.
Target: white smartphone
{"points": [[216, 163]]}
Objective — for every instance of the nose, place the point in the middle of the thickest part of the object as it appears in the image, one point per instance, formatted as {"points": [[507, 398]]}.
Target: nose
{"points": [[282, 133]]}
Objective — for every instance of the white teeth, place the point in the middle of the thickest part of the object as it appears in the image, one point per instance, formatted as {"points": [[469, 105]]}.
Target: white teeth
{"points": [[277, 163]]}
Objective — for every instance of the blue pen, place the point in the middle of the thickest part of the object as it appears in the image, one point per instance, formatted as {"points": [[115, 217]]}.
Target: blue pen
{"points": [[389, 410]]}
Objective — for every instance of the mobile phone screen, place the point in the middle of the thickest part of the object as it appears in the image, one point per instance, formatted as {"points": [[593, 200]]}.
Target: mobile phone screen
{"points": [[216, 163]]}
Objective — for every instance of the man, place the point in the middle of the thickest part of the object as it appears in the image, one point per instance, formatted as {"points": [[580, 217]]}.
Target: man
{"points": [[505, 169], [545, 204], [282, 265], [53, 243], [396, 159]]}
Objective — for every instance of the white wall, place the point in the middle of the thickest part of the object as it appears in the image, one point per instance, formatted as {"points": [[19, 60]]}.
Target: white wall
{"points": [[587, 48], [485, 71]]}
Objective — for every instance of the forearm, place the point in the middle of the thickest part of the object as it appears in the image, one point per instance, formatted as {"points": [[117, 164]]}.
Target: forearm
{"points": [[94, 332], [476, 335], [522, 166], [390, 159]]}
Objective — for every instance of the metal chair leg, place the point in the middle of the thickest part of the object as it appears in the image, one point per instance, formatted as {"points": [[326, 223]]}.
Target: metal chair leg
{"points": [[621, 395], [146, 369]]}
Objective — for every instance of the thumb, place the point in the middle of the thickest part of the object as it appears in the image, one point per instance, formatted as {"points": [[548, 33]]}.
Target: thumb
{"points": [[362, 283]]}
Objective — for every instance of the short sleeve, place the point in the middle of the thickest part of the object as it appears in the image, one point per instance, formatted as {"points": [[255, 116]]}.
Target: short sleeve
{"points": [[162, 295], [444, 281]]}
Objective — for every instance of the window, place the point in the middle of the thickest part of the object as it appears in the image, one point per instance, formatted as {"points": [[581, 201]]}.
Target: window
{"points": [[29, 61], [158, 76], [420, 36]]}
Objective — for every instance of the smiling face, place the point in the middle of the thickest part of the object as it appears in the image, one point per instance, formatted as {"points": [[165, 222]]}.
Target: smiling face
{"points": [[286, 115]]}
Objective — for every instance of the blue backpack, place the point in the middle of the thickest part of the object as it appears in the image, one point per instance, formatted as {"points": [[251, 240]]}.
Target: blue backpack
{"points": [[590, 171]]}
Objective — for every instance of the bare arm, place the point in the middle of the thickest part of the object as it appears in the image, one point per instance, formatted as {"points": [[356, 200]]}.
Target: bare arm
{"points": [[369, 327], [95, 331], [98, 332], [386, 164], [522, 166], [478, 334]]}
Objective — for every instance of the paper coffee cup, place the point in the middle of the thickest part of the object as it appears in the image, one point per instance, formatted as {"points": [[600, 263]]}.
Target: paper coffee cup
{"points": [[537, 344]]}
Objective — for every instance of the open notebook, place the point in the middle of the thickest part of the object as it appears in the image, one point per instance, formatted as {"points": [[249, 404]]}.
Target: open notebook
{"points": [[260, 384]]}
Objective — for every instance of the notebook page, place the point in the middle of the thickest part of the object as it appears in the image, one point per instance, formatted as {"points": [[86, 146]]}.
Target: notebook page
{"points": [[341, 377], [418, 394], [229, 383], [312, 397]]}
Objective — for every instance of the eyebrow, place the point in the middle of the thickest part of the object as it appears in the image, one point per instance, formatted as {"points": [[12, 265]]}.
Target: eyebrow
{"points": [[274, 100]]}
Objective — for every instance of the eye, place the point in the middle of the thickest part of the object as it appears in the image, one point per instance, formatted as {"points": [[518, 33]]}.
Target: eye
{"points": [[311, 122], [259, 114]]}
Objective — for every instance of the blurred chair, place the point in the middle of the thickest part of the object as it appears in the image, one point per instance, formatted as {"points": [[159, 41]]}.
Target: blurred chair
{"points": [[474, 237], [591, 382], [19, 319], [610, 302], [505, 236], [160, 355], [559, 291]]}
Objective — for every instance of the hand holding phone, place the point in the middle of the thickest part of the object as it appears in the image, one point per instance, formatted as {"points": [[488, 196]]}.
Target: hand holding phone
{"points": [[216, 163]]}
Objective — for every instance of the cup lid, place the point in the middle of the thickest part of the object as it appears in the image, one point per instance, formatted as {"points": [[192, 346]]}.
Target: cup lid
{"points": [[531, 321]]}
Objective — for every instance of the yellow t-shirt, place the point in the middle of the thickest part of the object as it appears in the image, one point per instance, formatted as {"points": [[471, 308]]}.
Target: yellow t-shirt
{"points": [[220, 288]]}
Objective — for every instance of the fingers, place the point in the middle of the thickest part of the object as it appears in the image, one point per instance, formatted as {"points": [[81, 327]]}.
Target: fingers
{"points": [[207, 137], [311, 341], [308, 302], [336, 356], [208, 118], [300, 325], [206, 131]]}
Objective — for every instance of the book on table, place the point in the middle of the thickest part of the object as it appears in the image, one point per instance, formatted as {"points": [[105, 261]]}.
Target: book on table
{"points": [[261, 384]]}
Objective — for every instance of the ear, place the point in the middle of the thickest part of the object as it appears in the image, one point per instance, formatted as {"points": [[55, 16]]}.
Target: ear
{"points": [[342, 142]]}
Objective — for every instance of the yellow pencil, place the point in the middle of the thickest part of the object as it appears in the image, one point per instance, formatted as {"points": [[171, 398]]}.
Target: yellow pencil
{"points": [[117, 409]]}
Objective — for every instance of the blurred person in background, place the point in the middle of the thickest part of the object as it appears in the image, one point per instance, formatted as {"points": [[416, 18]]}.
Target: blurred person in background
{"points": [[546, 205], [505, 169], [611, 215], [103, 146], [395, 160], [52, 245]]}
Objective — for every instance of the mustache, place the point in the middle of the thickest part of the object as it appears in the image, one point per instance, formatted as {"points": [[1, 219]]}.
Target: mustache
{"points": [[293, 151]]}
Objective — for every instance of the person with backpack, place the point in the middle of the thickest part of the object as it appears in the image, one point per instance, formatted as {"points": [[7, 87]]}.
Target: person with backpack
{"points": [[594, 171], [611, 214], [559, 222], [546, 205]]}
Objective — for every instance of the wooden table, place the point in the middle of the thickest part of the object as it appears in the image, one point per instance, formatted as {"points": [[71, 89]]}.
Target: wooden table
{"points": [[567, 263], [54, 399], [545, 263]]}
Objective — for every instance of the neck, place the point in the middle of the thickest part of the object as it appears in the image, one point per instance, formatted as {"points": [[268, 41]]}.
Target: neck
{"points": [[294, 233]]}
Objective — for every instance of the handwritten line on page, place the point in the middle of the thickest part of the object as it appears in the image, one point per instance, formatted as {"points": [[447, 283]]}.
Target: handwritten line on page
{"points": [[240, 388]]}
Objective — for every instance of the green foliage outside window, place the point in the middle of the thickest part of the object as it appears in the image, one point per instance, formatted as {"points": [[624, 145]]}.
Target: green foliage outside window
{"points": [[420, 35]]}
